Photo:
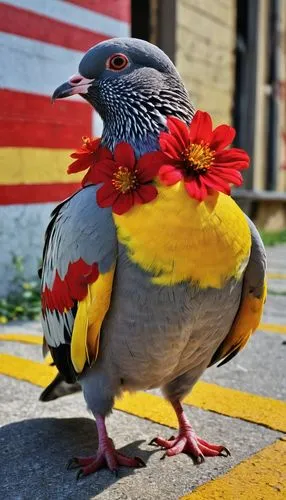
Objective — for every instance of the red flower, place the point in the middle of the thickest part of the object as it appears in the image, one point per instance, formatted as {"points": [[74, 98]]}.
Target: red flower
{"points": [[85, 156], [197, 155], [125, 181]]}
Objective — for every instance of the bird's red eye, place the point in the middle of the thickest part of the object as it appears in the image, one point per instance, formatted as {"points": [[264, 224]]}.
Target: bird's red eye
{"points": [[117, 62]]}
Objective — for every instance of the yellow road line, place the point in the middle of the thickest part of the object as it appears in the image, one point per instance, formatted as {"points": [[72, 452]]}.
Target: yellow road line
{"points": [[270, 327], [261, 476], [26, 338], [233, 403], [38, 339], [250, 407], [276, 276], [27, 370]]}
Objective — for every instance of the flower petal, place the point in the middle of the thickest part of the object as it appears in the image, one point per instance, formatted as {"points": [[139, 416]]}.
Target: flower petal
{"points": [[148, 166], [228, 174], [170, 146], [104, 154], [146, 193], [93, 144], [124, 155], [123, 203], [200, 128], [179, 130], [80, 164], [79, 152], [194, 189], [223, 135], [169, 175], [204, 189], [106, 196], [232, 156], [214, 182], [101, 172]]}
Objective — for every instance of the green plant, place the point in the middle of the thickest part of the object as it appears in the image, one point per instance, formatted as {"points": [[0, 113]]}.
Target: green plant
{"points": [[23, 302], [271, 238]]}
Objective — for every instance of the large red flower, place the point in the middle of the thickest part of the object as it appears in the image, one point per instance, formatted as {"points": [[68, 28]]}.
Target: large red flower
{"points": [[126, 182], [197, 156], [85, 156]]}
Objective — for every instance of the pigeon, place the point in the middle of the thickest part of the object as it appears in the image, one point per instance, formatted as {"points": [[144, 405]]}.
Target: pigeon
{"points": [[151, 272]]}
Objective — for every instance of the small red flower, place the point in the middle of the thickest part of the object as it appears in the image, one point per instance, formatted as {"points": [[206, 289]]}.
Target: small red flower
{"points": [[197, 155], [86, 156], [126, 182]]}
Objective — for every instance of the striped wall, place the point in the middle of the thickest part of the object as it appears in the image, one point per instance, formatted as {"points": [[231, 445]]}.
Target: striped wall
{"points": [[41, 44]]}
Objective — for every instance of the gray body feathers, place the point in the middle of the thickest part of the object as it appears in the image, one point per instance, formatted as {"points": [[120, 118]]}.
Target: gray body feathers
{"points": [[156, 336], [152, 336]]}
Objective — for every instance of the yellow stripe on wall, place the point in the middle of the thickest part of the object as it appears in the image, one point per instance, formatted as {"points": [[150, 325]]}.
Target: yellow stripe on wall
{"points": [[35, 166]]}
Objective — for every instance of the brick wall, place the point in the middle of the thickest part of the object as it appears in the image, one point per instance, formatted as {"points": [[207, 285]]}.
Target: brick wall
{"points": [[205, 38]]}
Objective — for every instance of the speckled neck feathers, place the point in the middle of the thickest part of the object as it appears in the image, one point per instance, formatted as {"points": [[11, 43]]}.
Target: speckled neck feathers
{"points": [[135, 108]]}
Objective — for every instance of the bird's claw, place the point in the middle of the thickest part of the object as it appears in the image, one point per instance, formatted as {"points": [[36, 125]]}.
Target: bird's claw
{"points": [[153, 442], [199, 459], [80, 474], [224, 452], [73, 463]]}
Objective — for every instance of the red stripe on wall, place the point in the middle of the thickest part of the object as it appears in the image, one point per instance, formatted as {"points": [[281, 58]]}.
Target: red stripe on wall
{"points": [[35, 193], [38, 27], [28, 120], [120, 9]]}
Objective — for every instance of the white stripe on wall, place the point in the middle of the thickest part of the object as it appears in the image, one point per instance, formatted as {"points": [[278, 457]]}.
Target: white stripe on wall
{"points": [[22, 234], [72, 14], [38, 67], [97, 125]]}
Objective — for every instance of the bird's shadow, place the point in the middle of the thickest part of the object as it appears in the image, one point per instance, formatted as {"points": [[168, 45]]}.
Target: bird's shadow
{"points": [[34, 455]]}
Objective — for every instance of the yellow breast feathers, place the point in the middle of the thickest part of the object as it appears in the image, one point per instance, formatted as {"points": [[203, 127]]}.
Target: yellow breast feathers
{"points": [[178, 239]]}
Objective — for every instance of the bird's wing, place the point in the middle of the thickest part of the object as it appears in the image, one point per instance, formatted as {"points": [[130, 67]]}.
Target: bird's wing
{"points": [[78, 266], [252, 301]]}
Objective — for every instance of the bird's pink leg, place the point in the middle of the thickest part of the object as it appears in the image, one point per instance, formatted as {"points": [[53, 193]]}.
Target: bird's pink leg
{"points": [[187, 441], [106, 456]]}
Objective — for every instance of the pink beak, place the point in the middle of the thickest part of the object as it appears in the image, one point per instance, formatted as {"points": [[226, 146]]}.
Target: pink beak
{"points": [[77, 84]]}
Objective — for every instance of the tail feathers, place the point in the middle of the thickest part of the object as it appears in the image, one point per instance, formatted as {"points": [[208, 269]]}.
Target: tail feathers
{"points": [[59, 388]]}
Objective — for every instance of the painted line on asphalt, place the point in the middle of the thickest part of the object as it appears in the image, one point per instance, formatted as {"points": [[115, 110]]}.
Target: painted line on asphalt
{"points": [[276, 276], [260, 476], [27, 370], [272, 328], [24, 338], [230, 402], [38, 339], [261, 410]]}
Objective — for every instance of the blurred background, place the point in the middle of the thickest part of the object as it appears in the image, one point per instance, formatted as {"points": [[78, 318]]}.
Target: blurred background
{"points": [[231, 55]]}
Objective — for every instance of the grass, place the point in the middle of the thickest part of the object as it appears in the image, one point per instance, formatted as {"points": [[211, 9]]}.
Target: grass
{"points": [[275, 292], [23, 302], [272, 238]]}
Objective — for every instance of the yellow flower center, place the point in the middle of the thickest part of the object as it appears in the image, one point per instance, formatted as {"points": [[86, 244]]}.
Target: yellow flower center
{"points": [[124, 180], [199, 157]]}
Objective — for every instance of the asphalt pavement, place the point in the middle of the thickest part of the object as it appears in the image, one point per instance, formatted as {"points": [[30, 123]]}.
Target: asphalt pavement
{"points": [[241, 405]]}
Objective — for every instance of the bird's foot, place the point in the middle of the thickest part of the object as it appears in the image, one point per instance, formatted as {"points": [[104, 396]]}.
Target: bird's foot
{"points": [[107, 456], [188, 442]]}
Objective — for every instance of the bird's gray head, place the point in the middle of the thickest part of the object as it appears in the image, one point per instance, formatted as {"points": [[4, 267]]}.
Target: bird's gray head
{"points": [[133, 85]]}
